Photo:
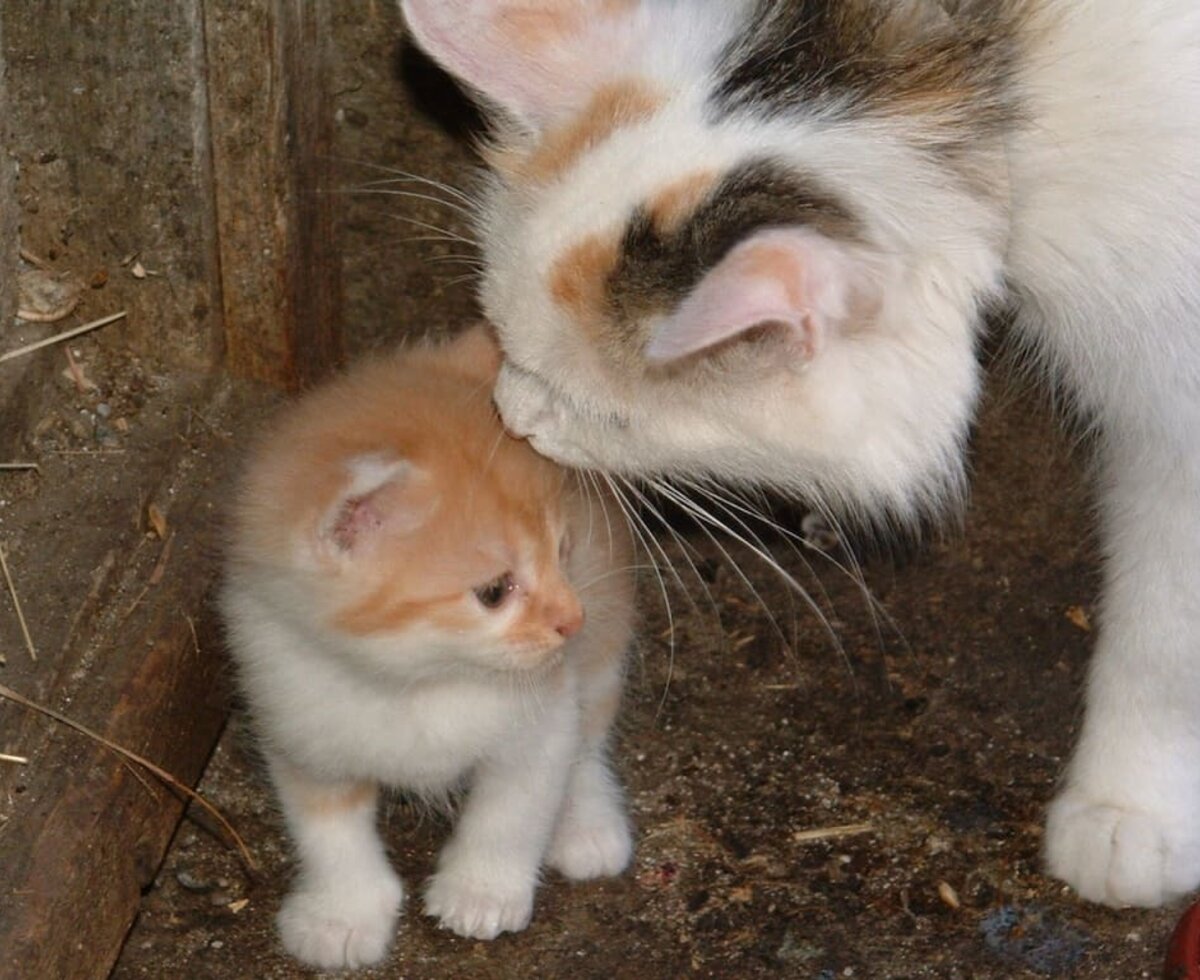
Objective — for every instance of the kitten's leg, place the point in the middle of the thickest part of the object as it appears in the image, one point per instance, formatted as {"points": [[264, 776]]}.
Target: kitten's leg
{"points": [[488, 872], [1125, 829], [342, 910], [592, 838]]}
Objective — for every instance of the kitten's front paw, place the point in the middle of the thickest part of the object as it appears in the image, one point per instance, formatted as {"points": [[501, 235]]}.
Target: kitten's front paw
{"points": [[592, 840], [480, 906], [343, 928], [1121, 856]]}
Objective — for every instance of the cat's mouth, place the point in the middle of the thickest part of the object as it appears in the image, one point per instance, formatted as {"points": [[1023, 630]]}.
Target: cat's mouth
{"points": [[530, 406]]}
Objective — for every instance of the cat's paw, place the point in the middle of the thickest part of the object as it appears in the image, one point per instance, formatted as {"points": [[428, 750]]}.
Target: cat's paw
{"points": [[342, 928], [1121, 856], [592, 840], [480, 906]]}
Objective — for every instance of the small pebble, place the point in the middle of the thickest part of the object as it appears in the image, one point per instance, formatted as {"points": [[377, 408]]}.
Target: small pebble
{"points": [[192, 883]]}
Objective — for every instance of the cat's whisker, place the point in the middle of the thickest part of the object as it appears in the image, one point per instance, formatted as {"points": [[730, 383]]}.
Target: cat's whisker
{"points": [[450, 236], [704, 521], [604, 511], [646, 540], [413, 195], [738, 509], [685, 547], [396, 175]]}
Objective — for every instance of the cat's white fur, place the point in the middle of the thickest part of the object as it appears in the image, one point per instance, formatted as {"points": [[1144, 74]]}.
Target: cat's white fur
{"points": [[1091, 225]]}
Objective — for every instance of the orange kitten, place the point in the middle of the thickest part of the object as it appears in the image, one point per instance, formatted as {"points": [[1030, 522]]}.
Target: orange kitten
{"points": [[414, 598]]}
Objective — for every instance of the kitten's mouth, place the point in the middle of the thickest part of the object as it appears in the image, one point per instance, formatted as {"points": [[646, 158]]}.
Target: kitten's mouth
{"points": [[533, 661]]}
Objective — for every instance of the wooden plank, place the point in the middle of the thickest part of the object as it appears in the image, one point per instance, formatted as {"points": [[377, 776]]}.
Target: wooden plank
{"points": [[108, 123], [272, 136], [83, 832]]}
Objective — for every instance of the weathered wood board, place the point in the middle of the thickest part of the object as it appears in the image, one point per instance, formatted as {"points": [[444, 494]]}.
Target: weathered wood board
{"points": [[165, 160]]}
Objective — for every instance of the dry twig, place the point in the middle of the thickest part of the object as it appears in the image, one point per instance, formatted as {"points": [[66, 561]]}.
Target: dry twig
{"points": [[829, 833], [12, 591], [19, 466], [65, 335], [9, 694]]}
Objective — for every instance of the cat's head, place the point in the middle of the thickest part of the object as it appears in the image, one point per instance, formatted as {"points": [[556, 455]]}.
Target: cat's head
{"points": [[410, 528], [686, 287]]}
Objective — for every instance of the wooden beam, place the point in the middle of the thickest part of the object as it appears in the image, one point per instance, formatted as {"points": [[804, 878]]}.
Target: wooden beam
{"points": [[135, 658], [271, 125]]}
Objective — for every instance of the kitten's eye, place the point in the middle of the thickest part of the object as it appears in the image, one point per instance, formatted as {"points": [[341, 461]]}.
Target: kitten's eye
{"points": [[492, 595]]}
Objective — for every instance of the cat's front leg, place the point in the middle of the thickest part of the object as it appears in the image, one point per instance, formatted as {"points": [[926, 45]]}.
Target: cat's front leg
{"points": [[1125, 828], [342, 911], [488, 872]]}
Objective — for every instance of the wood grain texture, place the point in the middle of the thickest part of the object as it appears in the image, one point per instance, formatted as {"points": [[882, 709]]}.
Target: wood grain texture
{"points": [[272, 138]]}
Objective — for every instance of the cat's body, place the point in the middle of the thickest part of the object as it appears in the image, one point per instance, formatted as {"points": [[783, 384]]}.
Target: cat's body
{"points": [[755, 241], [406, 595]]}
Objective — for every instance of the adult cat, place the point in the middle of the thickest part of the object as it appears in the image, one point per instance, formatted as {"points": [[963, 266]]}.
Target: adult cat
{"points": [[753, 241]]}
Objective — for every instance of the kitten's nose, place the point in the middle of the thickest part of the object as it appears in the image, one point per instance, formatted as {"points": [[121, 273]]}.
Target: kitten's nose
{"points": [[569, 620]]}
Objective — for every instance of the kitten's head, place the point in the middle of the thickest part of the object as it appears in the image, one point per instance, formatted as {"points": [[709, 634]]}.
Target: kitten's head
{"points": [[685, 285], [395, 516]]}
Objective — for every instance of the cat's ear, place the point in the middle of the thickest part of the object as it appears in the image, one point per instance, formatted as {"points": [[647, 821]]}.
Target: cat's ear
{"points": [[534, 59], [382, 494], [793, 279]]}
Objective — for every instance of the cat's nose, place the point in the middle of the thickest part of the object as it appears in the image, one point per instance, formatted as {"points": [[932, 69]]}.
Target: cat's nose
{"points": [[522, 410]]}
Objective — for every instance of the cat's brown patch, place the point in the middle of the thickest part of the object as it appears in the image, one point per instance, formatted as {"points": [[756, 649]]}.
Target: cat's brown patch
{"points": [[671, 206], [613, 107], [578, 278]]}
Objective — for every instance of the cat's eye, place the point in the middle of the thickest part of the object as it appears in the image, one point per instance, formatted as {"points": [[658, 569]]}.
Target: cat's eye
{"points": [[492, 595]]}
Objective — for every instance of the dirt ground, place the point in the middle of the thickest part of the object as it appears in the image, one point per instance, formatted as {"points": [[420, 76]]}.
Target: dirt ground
{"points": [[851, 791]]}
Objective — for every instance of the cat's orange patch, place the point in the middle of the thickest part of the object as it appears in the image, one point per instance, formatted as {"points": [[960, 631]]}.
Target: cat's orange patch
{"points": [[675, 203], [612, 108], [531, 27], [578, 278], [321, 800]]}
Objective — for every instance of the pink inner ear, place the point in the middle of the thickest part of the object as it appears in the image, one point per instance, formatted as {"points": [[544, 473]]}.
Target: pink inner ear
{"points": [[791, 277], [357, 517], [535, 58], [383, 494]]}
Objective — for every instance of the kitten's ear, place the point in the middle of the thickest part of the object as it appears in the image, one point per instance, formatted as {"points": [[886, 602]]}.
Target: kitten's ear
{"points": [[790, 278], [532, 58], [382, 494]]}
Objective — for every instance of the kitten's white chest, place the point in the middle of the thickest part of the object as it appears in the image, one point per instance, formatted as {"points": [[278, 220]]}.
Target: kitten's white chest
{"points": [[423, 736]]}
